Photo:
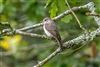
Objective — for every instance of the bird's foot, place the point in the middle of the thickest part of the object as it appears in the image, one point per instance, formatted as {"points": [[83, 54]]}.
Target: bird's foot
{"points": [[61, 49]]}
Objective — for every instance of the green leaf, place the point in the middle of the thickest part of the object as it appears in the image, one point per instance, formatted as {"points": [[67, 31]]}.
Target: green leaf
{"points": [[53, 9], [61, 6], [67, 19]]}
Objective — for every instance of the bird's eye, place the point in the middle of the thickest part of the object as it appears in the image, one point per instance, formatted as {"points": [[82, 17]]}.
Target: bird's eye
{"points": [[45, 19]]}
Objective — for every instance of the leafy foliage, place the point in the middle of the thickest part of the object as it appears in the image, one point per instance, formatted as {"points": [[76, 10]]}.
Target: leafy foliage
{"points": [[26, 51]]}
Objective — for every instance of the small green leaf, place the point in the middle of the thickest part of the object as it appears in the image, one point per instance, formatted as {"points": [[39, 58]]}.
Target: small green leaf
{"points": [[54, 9], [66, 19], [62, 6]]}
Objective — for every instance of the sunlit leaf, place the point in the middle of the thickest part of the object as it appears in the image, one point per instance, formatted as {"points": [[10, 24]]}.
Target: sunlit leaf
{"points": [[67, 19], [9, 43], [53, 9]]}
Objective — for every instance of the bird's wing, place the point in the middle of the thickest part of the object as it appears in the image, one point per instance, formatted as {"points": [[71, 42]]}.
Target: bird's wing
{"points": [[52, 28]]}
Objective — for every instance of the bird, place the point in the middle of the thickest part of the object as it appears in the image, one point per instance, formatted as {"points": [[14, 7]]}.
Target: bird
{"points": [[51, 30]]}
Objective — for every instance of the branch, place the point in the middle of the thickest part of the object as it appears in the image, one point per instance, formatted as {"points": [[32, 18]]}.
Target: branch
{"points": [[30, 27], [91, 8], [81, 26], [83, 39], [30, 34], [69, 11], [57, 17], [41, 63], [20, 31], [93, 14]]}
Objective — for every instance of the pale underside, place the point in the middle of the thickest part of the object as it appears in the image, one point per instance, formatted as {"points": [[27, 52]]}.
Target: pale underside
{"points": [[46, 32]]}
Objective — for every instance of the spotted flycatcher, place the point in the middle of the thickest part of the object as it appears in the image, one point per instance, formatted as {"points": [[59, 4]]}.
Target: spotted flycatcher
{"points": [[51, 30]]}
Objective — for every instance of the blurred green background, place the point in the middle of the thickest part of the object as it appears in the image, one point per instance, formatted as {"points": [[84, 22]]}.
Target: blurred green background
{"points": [[25, 51]]}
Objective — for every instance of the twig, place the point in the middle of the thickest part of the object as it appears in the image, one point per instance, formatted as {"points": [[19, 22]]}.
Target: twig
{"points": [[91, 8], [93, 14], [81, 26], [30, 27], [41, 63], [30, 34]]}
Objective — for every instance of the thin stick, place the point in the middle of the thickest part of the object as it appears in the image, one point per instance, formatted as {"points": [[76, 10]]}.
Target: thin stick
{"points": [[30, 27], [30, 34], [93, 14], [75, 16], [41, 63]]}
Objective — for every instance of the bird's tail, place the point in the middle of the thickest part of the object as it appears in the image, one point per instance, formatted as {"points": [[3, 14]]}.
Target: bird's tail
{"points": [[60, 44]]}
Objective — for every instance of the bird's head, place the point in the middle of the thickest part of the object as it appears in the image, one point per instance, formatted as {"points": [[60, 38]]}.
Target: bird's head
{"points": [[46, 20]]}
